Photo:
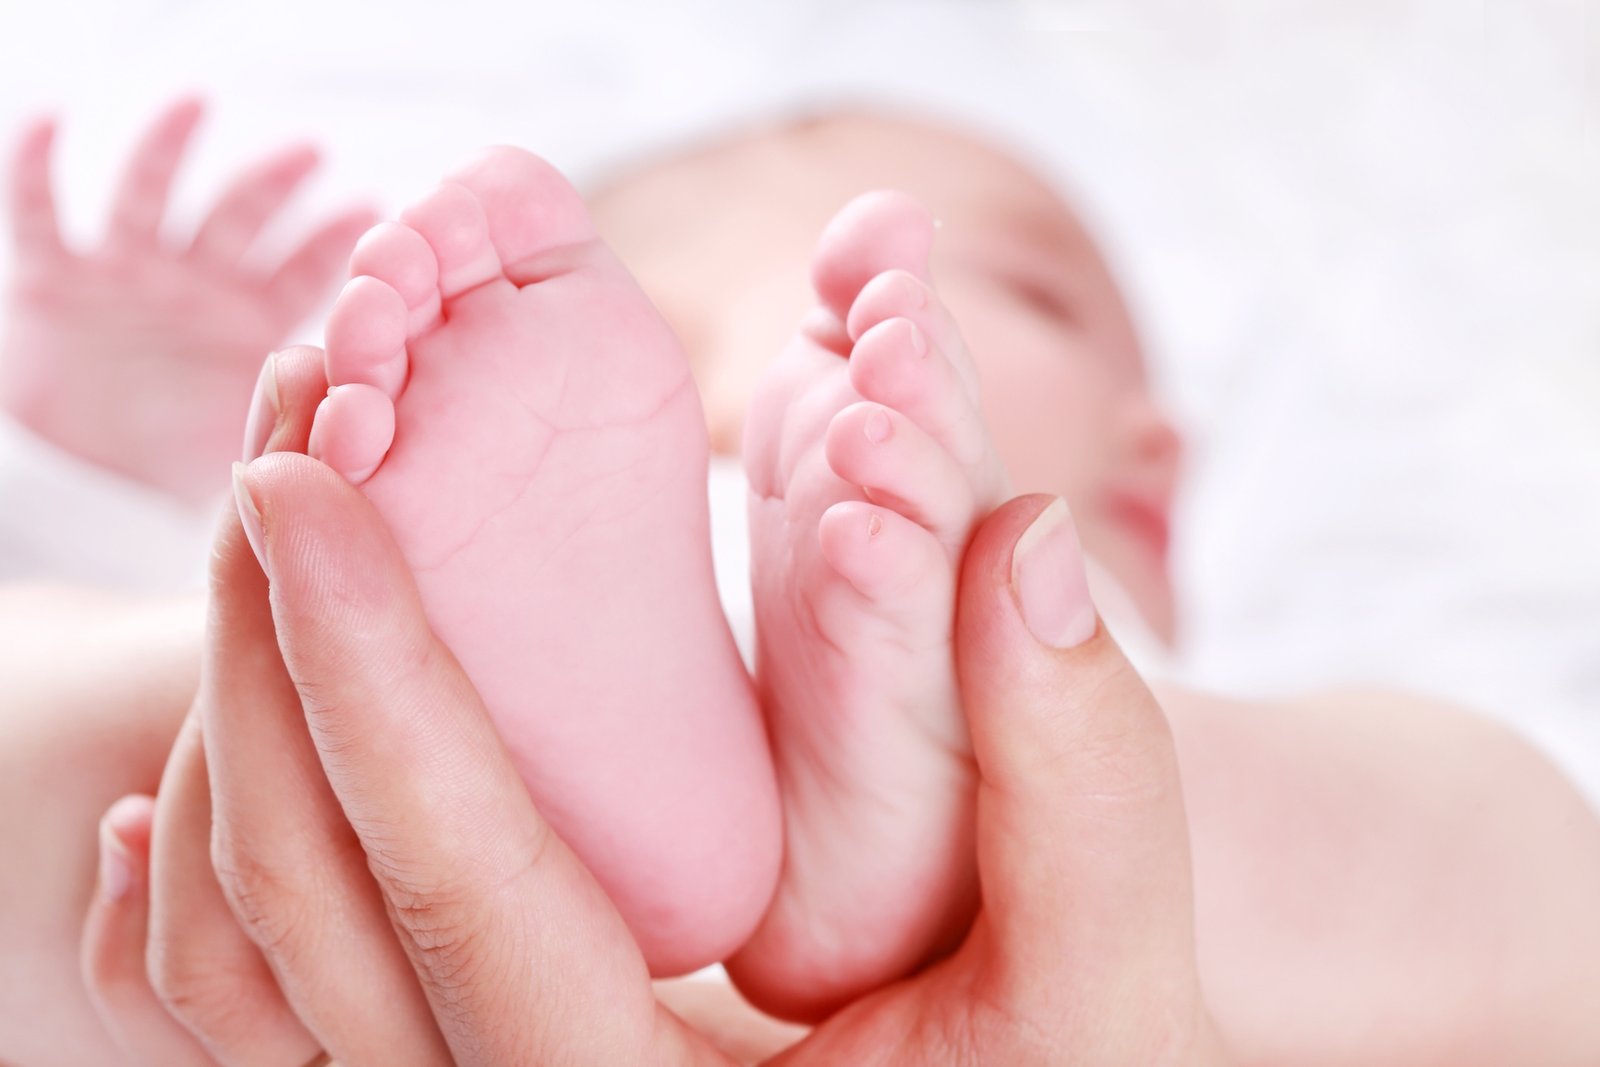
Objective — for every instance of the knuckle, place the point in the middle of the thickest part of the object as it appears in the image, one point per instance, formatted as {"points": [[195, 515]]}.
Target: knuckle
{"points": [[459, 922], [269, 903], [201, 990], [441, 914], [998, 1029], [108, 973]]}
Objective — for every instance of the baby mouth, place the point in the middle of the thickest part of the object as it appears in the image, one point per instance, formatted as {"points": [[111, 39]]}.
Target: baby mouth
{"points": [[1142, 516]]}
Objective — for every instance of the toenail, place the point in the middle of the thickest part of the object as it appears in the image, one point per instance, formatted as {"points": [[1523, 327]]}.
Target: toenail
{"points": [[264, 409], [919, 340], [878, 428], [874, 525]]}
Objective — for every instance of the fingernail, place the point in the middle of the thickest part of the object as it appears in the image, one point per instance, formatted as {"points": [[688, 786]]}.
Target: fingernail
{"points": [[916, 293], [264, 407], [250, 517], [1049, 580], [116, 868]]}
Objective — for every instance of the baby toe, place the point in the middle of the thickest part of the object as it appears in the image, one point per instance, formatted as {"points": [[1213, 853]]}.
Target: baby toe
{"points": [[899, 465], [875, 232], [402, 259], [895, 364], [898, 294], [530, 206], [891, 561], [366, 337], [352, 431], [452, 221]]}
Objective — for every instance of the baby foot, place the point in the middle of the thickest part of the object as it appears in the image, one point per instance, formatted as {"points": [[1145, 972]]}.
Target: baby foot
{"points": [[507, 396], [869, 466], [137, 355]]}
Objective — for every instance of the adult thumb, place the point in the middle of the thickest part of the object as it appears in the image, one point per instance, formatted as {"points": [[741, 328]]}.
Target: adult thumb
{"points": [[1082, 841]]}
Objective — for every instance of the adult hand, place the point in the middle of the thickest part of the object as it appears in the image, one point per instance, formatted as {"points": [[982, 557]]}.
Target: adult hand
{"points": [[395, 879], [388, 916]]}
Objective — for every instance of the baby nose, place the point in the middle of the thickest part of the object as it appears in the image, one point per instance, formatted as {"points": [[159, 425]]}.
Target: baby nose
{"points": [[1151, 437]]}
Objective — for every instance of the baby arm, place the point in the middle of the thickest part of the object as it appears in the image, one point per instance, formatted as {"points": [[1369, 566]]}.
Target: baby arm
{"points": [[95, 688], [1385, 880]]}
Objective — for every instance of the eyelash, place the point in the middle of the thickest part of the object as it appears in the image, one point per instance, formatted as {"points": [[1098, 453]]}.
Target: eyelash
{"points": [[1044, 299]]}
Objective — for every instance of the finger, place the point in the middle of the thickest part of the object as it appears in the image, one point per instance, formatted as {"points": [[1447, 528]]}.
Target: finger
{"points": [[113, 947], [33, 206], [289, 863], [519, 950], [210, 976], [1082, 836], [313, 270], [141, 199], [290, 387], [250, 202]]}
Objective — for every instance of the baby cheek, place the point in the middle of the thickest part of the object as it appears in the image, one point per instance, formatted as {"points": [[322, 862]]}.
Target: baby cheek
{"points": [[1048, 412]]}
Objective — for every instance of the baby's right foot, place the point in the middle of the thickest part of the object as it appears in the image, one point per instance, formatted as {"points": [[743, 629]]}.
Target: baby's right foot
{"points": [[869, 466], [507, 396]]}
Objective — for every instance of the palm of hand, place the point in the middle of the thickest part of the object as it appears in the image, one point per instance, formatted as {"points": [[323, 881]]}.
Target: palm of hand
{"points": [[138, 356], [153, 304]]}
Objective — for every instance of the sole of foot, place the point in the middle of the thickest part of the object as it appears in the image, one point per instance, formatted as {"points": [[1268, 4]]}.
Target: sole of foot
{"points": [[508, 398], [870, 465]]}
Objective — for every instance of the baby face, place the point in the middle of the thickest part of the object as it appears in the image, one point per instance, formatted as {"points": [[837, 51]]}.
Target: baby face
{"points": [[721, 238], [1064, 385]]}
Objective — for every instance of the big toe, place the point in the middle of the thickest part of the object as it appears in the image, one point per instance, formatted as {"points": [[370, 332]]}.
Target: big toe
{"points": [[531, 207], [876, 232]]}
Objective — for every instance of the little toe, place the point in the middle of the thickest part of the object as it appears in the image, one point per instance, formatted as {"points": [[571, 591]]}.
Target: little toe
{"points": [[453, 223], [402, 259], [897, 464], [891, 561], [875, 232], [899, 294], [352, 431], [531, 209]]}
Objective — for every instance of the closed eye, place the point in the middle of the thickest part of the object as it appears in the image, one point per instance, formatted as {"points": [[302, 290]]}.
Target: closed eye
{"points": [[1048, 299]]}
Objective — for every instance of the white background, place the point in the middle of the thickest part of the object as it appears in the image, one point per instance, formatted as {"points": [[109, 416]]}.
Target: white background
{"points": [[1363, 238]]}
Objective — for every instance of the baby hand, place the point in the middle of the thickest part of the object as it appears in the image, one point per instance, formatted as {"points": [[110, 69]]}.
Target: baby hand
{"points": [[138, 354]]}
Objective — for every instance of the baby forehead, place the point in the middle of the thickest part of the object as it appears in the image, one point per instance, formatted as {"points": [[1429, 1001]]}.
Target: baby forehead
{"points": [[962, 176], [991, 204]]}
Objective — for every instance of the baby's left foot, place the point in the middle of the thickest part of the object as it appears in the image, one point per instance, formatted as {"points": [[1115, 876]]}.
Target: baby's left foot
{"points": [[869, 466]]}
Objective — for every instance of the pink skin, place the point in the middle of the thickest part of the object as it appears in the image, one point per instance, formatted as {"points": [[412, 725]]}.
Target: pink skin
{"points": [[527, 425], [870, 466], [720, 235], [96, 338], [1073, 410]]}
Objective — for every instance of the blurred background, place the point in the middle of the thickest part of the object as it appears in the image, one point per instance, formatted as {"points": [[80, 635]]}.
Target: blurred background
{"points": [[1361, 237]]}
